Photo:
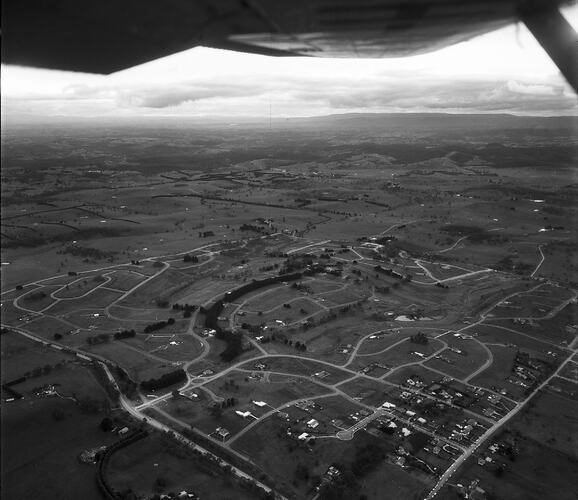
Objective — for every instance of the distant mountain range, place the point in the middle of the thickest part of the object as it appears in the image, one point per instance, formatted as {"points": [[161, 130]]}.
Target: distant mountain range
{"points": [[437, 121], [407, 122]]}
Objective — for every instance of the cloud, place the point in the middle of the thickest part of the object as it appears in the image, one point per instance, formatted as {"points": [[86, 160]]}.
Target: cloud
{"points": [[532, 89]]}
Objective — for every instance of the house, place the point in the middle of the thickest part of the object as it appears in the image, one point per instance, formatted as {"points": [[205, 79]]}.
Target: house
{"points": [[303, 437], [221, 431], [123, 431], [260, 404], [332, 472], [243, 414], [312, 423], [405, 431]]}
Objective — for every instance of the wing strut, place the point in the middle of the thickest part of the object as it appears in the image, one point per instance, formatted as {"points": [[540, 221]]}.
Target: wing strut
{"points": [[557, 38]]}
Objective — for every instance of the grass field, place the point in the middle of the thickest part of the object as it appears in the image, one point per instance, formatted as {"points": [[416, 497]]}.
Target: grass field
{"points": [[287, 315], [96, 319], [139, 466], [325, 341], [552, 330], [275, 390], [270, 298], [43, 437], [38, 299], [319, 286], [81, 286], [161, 287], [20, 355], [141, 315], [124, 280], [550, 420], [97, 299], [287, 365], [172, 347], [550, 478], [46, 327], [342, 297], [401, 375], [471, 357], [366, 391], [138, 365], [205, 290], [493, 334], [495, 376], [401, 354]]}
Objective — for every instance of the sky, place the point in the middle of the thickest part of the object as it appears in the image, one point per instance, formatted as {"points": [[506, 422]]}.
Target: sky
{"points": [[501, 72]]}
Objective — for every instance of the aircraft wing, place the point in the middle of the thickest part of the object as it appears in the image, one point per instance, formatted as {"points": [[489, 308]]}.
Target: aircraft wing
{"points": [[105, 36]]}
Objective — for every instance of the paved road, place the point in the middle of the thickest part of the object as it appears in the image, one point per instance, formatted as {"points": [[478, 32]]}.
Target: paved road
{"points": [[542, 258], [453, 246]]}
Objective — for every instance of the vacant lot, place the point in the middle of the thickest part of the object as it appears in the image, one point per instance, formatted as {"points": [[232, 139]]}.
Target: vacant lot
{"points": [[495, 376], [369, 392], [275, 390], [96, 299], [39, 299], [161, 287], [172, 347], [300, 308], [124, 280], [470, 357], [296, 366], [81, 286], [494, 334], [270, 299]]}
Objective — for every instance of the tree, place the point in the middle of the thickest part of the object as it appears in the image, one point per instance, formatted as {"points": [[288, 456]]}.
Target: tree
{"points": [[58, 415], [57, 336], [106, 424], [216, 411], [301, 472], [161, 483]]}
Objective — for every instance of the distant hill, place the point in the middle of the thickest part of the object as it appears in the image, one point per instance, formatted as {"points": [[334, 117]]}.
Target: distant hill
{"points": [[435, 121]]}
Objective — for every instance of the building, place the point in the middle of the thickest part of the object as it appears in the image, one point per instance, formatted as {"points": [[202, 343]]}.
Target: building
{"points": [[312, 424]]}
